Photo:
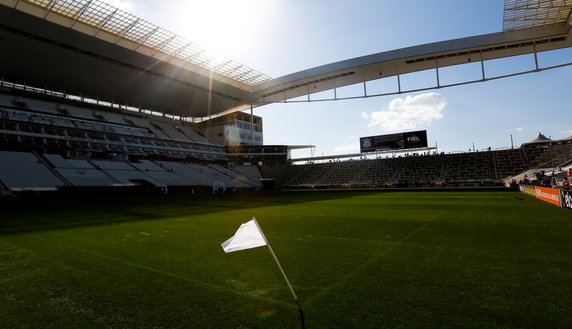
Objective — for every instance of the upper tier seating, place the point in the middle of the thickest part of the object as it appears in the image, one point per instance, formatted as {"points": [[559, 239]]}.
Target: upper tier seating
{"points": [[38, 123]]}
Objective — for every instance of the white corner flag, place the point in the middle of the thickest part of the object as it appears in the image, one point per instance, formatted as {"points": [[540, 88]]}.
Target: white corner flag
{"points": [[247, 236], [250, 235]]}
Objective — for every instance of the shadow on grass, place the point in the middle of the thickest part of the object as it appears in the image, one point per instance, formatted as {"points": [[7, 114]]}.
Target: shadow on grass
{"points": [[59, 211], [34, 213]]}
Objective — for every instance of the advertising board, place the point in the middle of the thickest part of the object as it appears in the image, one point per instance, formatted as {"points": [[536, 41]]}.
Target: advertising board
{"points": [[399, 141], [528, 190], [550, 195], [566, 199]]}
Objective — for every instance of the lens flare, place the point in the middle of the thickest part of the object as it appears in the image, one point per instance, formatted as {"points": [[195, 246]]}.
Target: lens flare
{"points": [[266, 314]]}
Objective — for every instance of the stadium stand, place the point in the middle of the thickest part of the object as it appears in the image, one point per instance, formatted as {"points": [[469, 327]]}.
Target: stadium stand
{"points": [[85, 177], [52, 140], [49, 125], [153, 149], [213, 175], [87, 145], [194, 135], [169, 178], [510, 161], [24, 171], [111, 165], [483, 167], [146, 165], [550, 154], [469, 167], [251, 173], [123, 173], [131, 177], [194, 177], [80, 173], [236, 179]]}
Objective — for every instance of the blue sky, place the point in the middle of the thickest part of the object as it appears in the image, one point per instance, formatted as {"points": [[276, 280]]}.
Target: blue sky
{"points": [[278, 37]]}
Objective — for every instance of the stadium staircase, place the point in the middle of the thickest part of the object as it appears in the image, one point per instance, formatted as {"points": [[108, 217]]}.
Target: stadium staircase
{"points": [[3, 186], [236, 178], [48, 165], [509, 162], [494, 166], [360, 177], [397, 171]]}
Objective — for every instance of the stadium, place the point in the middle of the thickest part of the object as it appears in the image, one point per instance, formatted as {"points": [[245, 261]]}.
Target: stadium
{"points": [[128, 154]]}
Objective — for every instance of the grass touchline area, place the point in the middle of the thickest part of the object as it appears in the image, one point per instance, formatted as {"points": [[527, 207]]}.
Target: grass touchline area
{"points": [[150, 269], [361, 259]]}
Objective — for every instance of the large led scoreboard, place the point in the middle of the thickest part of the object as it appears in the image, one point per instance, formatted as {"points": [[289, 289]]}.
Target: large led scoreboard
{"points": [[400, 141]]}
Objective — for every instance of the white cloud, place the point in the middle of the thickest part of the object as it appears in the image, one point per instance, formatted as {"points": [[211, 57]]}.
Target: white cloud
{"points": [[521, 128], [353, 148], [125, 5], [409, 112], [364, 115]]}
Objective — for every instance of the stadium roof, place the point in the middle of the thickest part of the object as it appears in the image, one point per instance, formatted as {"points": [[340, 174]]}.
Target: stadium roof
{"points": [[540, 138], [105, 17], [90, 49], [521, 14], [567, 138]]}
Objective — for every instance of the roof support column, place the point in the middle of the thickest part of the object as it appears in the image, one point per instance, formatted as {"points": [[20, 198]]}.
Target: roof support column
{"points": [[536, 59], [335, 91], [437, 73], [251, 125]]}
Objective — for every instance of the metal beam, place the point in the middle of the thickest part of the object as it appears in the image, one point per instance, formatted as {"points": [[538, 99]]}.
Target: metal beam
{"points": [[438, 86], [80, 12]]}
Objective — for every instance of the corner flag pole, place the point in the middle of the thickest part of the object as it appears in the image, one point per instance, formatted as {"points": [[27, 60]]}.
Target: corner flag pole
{"points": [[302, 320]]}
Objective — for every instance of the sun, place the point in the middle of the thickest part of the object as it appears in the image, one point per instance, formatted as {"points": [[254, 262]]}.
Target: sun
{"points": [[221, 26]]}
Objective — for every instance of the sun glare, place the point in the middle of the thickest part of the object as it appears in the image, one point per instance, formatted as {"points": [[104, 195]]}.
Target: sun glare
{"points": [[222, 26]]}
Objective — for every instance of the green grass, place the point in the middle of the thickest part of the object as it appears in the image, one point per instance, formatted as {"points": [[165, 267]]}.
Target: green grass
{"points": [[356, 260]]}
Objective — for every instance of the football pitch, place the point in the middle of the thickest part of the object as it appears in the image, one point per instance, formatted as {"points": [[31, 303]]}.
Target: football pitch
{"points": [[448, 259]]}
